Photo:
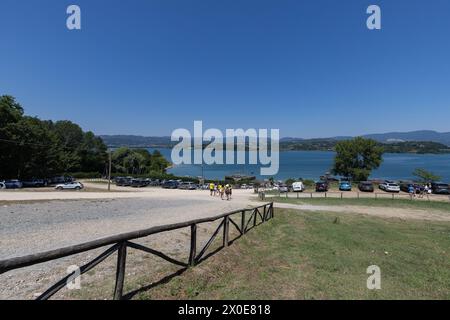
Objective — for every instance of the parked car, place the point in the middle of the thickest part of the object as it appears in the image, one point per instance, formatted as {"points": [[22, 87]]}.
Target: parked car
{"points": [[389, 186], [170, 184], [321, 186], [366, 186], [407, 184], [69, 186], [298, 186], [123, 181], [345, 185], [283, 188], [34, 183], [440, 188], [155, 183], [13, 184], [187, 186], [2, 185], [138, 183], [56, 180]]}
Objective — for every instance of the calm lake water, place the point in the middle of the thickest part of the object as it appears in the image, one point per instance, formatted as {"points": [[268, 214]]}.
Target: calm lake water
{"points": [[313, 164]]}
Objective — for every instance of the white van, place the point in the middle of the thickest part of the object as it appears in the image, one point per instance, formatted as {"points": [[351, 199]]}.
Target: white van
{"points": [[298, 187]]}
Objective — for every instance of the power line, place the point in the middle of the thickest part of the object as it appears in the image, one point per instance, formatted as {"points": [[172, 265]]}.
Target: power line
{"points": [[27, 143]]}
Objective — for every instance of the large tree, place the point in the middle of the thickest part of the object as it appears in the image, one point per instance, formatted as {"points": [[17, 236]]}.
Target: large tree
{"points": [[357, 158], [138, 161], [30, 147], [426, 176]]}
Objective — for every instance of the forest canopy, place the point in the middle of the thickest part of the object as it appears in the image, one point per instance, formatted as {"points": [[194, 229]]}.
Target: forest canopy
{"points": [[35, 148]]}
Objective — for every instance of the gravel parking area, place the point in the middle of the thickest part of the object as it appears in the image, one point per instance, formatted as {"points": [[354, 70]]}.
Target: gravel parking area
{"points": [[38, 226]]}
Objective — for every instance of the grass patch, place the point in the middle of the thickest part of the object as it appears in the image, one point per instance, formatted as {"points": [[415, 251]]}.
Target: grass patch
{"points": [[396, 203], [315, 255]]}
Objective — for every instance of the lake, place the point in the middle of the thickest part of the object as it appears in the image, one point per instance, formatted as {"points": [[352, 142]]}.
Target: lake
{"points": [[313, 164]]}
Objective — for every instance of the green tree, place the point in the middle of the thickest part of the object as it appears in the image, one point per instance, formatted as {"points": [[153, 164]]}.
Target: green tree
{"points": [[138, 161], [357, 158], [30, 147], [426, 176], [92, 153]]}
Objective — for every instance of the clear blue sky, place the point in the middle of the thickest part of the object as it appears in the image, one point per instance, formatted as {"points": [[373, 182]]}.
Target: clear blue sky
{"points": [[310, 68]]}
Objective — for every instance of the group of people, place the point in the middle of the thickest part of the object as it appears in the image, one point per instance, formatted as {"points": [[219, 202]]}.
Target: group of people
{"points": [[413, 190], [220, 190]]}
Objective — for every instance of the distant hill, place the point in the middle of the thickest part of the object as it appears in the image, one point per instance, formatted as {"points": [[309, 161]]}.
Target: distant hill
{"points": [[135, 141], [422, 135], [288, 142]]}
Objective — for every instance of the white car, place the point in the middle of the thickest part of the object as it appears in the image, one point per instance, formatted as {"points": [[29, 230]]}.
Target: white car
{"points": [[298, 187], [70, 186], [389, 186]]}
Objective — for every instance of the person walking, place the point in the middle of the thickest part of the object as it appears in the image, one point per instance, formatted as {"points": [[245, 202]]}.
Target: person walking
{"points": [[228, 191], [221, 191], [411, 191], [211, 189]]}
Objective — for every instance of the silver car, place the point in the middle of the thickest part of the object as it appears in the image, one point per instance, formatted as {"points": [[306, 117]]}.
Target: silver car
{"points": [[70, 186]]}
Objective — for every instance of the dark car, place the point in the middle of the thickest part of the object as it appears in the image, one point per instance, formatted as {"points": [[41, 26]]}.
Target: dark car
{"points": [[321, 186], [13, 184], [440, 188], [123, 181], [366, 186], [138, 183], [171, 184], [406, 185], [34, 183]]}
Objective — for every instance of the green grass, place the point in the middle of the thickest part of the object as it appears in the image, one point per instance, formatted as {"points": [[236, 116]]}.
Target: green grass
{"points": [[319, 256], [397, 203]]}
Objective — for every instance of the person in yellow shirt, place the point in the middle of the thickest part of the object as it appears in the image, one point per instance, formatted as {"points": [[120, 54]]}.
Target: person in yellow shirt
{"points": [[211, 188], [221, 191]]}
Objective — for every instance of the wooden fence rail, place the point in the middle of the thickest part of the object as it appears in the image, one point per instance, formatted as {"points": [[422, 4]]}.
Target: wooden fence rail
{"points": [[346, 195], [120, 243]]}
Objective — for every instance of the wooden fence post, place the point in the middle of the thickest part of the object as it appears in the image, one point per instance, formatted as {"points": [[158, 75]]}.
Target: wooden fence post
{"points": [[271, 210], [243, 222], [255, 212], [226, 225], [120, 271], [193, 250]]}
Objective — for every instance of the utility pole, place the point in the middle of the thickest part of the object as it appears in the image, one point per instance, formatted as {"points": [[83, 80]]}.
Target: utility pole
{"points": [[109, 171]]}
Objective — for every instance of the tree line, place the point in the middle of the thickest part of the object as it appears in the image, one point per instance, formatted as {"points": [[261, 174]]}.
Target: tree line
{"points": [[35, 148]]}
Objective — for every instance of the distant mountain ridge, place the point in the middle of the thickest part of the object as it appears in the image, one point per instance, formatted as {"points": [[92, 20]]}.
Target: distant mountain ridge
{"points": [[420, 135], [164, 141]]}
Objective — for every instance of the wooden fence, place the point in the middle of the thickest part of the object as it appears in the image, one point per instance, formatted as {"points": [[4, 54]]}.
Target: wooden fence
{"points": [[249, 218], [348, 195]]}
